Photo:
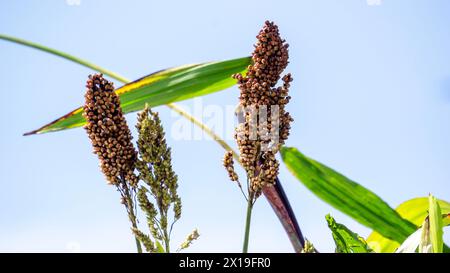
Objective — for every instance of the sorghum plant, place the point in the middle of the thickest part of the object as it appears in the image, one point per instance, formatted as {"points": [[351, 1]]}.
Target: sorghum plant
{"points": [[264, 123], [418, 229]]}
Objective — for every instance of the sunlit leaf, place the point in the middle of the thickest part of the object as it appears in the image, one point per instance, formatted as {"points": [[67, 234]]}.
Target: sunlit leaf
{"points": [[163, 87], [159, 247], [346, 240], [415, 211], [347, 196]]}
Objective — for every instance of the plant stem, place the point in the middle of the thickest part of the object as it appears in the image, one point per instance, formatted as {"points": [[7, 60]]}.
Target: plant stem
{"points": [[129, 205], [134, 225], [165, 234], [166, 242], [205, 128], [247, 224]]}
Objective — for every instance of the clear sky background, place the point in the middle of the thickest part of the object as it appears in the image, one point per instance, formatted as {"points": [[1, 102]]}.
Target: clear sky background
{"points": [[370, 98]]}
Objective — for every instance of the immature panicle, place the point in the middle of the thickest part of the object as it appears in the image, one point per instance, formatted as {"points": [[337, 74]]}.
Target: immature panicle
{"points": [[159, 181], [108, 131], [155, 166], [265, 122], [189, 239]]}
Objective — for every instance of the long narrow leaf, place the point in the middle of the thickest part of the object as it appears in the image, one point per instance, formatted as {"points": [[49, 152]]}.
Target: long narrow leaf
{"points": [[163, 87], [347, 196], [415, 211]]}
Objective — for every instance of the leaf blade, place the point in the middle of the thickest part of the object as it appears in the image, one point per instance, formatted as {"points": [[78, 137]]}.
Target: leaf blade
{"points": [[346, 240], [163, 87], [347, 196], [415, 211]]}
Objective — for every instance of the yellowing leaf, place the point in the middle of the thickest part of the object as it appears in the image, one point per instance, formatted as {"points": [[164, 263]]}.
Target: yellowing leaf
{"points": [[163, 87], [415, 211]]}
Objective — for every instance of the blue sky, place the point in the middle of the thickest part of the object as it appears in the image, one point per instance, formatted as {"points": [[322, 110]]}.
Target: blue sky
{"points": [[370, 98]]}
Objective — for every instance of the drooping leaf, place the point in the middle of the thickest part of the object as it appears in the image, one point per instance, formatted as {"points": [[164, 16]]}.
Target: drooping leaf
{"points": [[346, 240], [163, 87], [436, 225], [347, 196], [415, 211]]}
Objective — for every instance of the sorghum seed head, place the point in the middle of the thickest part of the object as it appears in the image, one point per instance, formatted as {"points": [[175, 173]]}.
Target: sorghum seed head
{"points": [[258, 91], [108, 131], [270, 58]]}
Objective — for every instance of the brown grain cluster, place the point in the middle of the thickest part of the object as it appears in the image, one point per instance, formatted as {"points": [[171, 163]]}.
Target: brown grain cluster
{"points": [[259, 137], [269, 59], [108, 131], [228, 163]]}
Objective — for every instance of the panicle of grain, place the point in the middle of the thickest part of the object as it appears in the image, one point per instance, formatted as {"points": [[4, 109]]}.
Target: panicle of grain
{"points": [[189, 239], [145, 240], [150, 212], [108, 131], [269, 59], [155, 164], [258, 92]]}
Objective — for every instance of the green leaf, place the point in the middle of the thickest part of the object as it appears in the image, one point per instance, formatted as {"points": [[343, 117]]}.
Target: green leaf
{"points": [[436, 225], [346, 240], [159, 247], [415, 211], [163, 87], [445, 219], [429, 237], [347, 196]]}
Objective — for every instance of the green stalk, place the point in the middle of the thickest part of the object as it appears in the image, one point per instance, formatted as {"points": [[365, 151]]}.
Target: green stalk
{"points": [[138, 243], [166, 241], [247, 224], [129, 205]]}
